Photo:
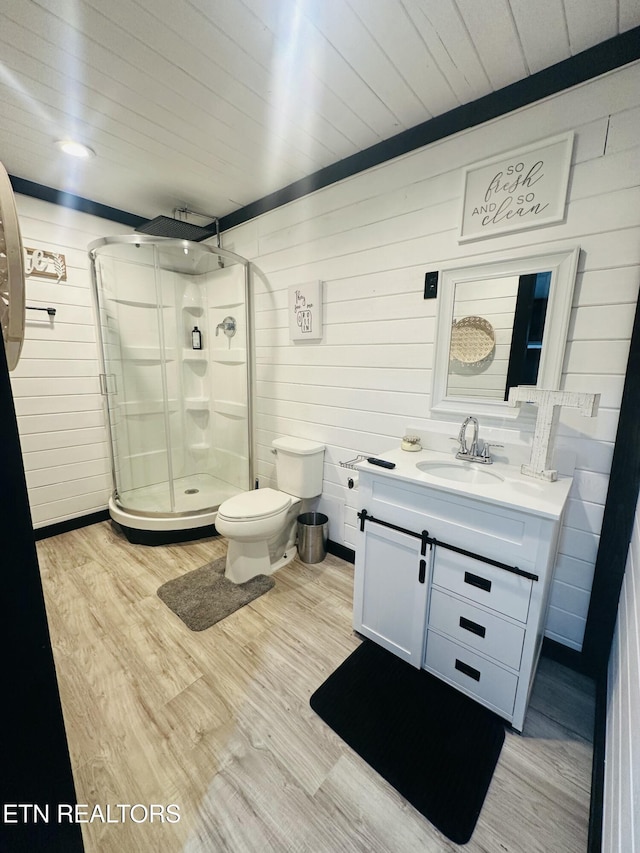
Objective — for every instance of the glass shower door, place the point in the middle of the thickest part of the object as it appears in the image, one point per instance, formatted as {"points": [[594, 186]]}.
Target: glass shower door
{"points": [[135, 380]]}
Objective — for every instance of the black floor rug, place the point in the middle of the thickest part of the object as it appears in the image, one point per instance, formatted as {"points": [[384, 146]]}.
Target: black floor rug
{"points": [[436, 746], [204, 596]]}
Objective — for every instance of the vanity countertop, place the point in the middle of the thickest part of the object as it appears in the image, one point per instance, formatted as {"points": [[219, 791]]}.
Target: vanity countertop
{"points": [[508, 487]]}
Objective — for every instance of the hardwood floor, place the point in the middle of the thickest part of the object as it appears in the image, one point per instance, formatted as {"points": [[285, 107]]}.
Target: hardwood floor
{"points": [[218, 722]]}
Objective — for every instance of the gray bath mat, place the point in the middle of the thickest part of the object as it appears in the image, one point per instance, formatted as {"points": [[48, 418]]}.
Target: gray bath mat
{"points": [[204, 596]]}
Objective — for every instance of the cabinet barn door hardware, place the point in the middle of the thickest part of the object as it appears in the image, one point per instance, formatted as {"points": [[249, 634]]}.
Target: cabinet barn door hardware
{"points": [[513, 569], [363, 515]]}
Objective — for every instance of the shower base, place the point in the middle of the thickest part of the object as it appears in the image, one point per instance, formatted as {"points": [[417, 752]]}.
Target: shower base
{"points": [[145, 518]]}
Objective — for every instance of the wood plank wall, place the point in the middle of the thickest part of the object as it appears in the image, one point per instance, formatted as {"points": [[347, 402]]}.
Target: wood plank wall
{"points": [[621, 817], [55, 385], [371, 238]]}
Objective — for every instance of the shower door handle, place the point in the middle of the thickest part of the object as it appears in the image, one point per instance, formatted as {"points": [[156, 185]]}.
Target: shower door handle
{"points": [[108, 384]]}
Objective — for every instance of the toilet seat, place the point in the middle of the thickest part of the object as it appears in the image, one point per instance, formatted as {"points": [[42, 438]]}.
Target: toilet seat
{"points": [[257, 504]]}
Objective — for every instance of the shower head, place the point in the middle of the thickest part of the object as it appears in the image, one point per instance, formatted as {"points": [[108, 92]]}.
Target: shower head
{"points": [[165, 226]]}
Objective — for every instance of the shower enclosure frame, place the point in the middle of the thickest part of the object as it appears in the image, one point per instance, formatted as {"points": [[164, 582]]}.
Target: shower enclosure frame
{"points": [[161, 527]]}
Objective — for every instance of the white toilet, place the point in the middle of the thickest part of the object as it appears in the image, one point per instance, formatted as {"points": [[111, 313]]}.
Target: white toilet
{"points": [[260, 525]]}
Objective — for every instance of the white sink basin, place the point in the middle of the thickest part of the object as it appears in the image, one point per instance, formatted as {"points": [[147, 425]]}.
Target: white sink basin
{"points": [[460, 472]]}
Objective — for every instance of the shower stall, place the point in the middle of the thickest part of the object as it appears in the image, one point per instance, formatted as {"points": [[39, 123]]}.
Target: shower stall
{"points": [[175, 342]]}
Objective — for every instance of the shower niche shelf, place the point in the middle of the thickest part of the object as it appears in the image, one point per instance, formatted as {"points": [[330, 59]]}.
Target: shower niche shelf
{"points": [[197, 404], [225, 305], [137, 408], [144, 455], [141, 303], [238, 356], [130, 353], [194, 355], [231, 409], [193, 310]]}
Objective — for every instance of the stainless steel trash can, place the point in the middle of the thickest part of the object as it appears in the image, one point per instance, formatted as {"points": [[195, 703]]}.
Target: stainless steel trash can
{"points": [[313, 532]]}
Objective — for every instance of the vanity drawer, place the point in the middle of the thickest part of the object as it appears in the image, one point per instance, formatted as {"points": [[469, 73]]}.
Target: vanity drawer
{"points": [[483, 583], [482, 679], [482, 631]]}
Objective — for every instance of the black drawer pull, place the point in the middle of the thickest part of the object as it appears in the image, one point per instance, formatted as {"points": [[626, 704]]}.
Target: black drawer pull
{"points": [[468, 625], [476, 580], [468, 670], [423, 571]]}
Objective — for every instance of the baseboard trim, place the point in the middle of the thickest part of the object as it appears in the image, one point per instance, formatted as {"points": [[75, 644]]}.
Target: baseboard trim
{"points": [[70, 524], [564, 655], [341, 551]]}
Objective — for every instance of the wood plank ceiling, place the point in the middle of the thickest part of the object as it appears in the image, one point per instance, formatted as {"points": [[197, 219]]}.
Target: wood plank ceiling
{"points": [[212, 104]]}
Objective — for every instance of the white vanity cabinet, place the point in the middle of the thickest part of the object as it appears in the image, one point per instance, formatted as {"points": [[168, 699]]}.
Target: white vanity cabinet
{"points": [[455, 579]]}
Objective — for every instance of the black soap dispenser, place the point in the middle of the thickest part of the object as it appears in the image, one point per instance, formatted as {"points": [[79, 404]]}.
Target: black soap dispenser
{"points": [[196, 338]]}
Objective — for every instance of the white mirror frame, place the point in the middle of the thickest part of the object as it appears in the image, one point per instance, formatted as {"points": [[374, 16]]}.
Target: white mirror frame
{"points": [[563, 266]]}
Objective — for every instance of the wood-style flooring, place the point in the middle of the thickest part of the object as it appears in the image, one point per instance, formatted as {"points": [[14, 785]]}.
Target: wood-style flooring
{"points": [[218, 722]]}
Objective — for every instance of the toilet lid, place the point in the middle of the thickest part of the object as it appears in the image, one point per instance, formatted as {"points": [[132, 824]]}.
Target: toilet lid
{"points": [[259, 503]]}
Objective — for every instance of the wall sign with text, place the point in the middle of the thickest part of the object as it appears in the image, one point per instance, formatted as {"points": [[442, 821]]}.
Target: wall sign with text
{"points": [[45, 264], [523, 189], [305, 311]]}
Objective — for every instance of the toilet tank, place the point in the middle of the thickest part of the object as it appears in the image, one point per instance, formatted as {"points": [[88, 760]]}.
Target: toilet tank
{"points": [[299, 466]]}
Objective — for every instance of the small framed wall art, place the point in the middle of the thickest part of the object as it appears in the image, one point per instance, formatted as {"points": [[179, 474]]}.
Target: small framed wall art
{"points": [[523, 189], [305, 311]]}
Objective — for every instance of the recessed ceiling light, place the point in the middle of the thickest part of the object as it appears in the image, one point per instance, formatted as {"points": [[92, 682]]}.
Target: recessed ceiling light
{"points": [[75, 149]]}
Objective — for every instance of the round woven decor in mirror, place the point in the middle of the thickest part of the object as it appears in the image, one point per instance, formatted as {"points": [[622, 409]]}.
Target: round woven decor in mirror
{"points": [[472, 340]]}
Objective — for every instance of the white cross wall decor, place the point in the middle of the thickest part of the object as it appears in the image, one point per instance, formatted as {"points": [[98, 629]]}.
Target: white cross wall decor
{"points": [[549, 404]]}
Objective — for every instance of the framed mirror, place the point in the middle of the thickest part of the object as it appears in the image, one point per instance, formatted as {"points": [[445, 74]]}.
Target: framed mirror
{"points": [[501, 324]]}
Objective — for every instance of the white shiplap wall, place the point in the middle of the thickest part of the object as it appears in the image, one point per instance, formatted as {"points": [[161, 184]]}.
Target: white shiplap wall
{"points": [[621, 819], [372, 237], [55, 385]]}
